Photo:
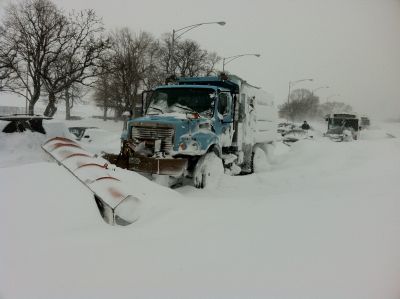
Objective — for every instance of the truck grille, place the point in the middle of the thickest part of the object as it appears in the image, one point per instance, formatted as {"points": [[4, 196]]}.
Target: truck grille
{"points": [[151, 134]]}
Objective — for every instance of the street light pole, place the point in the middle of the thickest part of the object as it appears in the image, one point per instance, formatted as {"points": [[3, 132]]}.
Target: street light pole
{"points": [[186, 29], [226, 60]]}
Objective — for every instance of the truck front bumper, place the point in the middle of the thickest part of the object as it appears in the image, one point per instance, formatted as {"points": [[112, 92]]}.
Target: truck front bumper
{"points": [[170, 166]]}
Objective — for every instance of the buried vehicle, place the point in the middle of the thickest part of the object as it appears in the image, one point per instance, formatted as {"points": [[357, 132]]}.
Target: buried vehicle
{"points": [[295, 135], [285, 127], [197, 127], [18, 123], [80, 132], [342, 127]]}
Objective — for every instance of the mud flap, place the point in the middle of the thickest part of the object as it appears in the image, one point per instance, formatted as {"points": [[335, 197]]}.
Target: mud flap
{"points": [[116, 205]]}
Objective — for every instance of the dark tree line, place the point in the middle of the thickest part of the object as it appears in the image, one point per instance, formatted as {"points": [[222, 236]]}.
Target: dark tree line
{"points": [[47, 52], [303, 104]]}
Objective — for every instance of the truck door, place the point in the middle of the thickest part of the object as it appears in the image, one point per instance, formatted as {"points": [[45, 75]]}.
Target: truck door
{"points": [[224, 120]]}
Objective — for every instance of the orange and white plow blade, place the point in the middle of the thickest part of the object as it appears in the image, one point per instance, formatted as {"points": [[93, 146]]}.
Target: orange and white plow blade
{"points": [[116, 205]]}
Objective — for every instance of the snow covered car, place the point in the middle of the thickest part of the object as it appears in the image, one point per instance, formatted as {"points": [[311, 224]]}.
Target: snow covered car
{"points": [[79, 132], [296, 134], [283, 128], [23, 122]]}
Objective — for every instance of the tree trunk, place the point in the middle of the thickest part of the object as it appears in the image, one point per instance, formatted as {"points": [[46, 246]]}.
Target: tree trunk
{"points": [[67, 105], [105, 109], [105, 113], [31, 108], [116, 114], [35, 97], [51, 108]]}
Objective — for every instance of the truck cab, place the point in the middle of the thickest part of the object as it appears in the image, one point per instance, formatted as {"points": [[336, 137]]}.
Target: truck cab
{"points": [[188, 123], [342, 126]]}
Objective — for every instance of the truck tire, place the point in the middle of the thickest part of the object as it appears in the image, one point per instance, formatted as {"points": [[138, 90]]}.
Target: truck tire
{"points": [[259, 161], [208, 171]]}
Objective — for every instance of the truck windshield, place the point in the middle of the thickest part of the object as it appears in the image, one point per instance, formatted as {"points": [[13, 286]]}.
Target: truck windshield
{"points": [[343, 123], [182, 100]]}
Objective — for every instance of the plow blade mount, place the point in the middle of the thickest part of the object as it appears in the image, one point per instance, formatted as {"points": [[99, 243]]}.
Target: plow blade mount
{"points": [[116, 205], [173, 167]]}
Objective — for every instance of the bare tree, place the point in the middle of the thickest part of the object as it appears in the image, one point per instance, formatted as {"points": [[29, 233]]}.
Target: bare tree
{"points": [[71, 96], [165, 59], [7, 62], [209, 64], [42, 47], [104, 93], [33, 28], [75, 57], [131, 67], [188, 59], [5, 73], [303, 104], [138, 62]]}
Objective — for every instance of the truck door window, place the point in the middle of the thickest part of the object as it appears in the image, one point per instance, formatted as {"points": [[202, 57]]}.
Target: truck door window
{"points": [[224, 103]]}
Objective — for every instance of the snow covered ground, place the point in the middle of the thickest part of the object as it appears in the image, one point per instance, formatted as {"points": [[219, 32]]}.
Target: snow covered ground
{"points": [[322, 221]]}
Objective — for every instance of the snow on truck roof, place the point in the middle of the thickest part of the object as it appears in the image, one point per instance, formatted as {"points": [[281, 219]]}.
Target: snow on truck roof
{"points": [[209, 81], [341, 115], [187, 86], [231, 82]]}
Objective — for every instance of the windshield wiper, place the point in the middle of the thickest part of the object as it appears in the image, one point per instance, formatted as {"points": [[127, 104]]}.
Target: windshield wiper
{"points": [[157, 109], [184, 107]]}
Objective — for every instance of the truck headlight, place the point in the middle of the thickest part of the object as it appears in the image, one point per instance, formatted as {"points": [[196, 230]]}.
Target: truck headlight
{"points": [[189, 146]]}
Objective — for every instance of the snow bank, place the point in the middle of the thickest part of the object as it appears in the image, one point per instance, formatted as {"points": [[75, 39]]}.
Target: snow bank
{"points": [[322, 222], [21, 148], [51, 227], [25, 147]]}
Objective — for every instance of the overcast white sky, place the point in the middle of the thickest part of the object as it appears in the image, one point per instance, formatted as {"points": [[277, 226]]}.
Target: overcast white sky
{"points": [[351, 45]]}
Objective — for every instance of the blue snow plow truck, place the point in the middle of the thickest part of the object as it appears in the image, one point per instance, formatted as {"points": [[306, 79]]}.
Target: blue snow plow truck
{"points": [[198, 128]]}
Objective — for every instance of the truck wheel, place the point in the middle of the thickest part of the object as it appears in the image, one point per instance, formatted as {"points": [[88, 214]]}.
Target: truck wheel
{"points": [[259, 162], [208, 171]]}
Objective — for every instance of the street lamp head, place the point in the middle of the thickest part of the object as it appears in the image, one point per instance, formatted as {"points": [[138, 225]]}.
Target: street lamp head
{"points": [[257, 55], [222, 23]]}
